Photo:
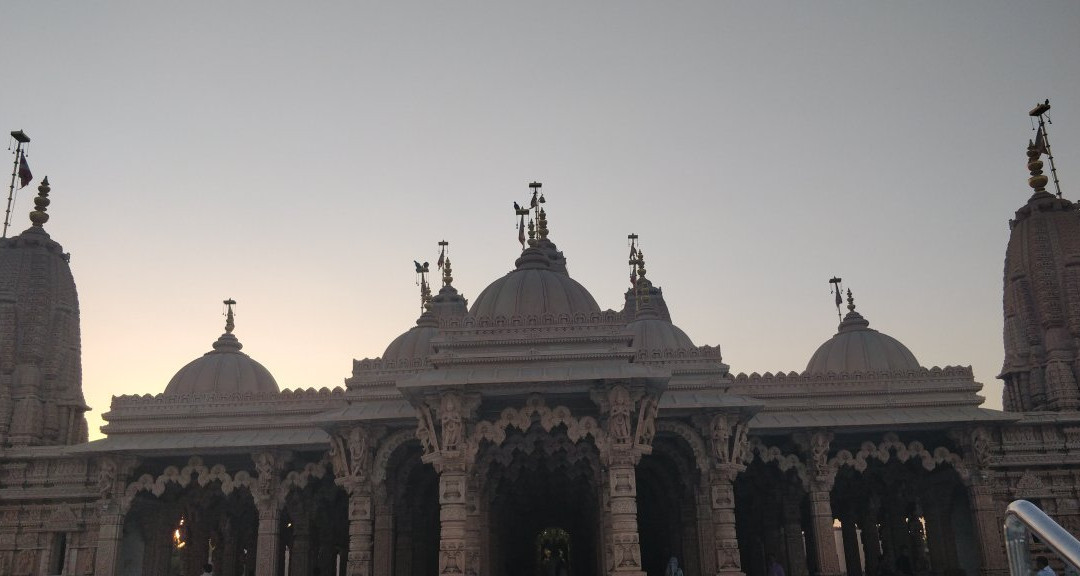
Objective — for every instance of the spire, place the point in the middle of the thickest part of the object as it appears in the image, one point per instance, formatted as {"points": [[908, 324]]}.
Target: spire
{"points": [[229, 324], [41, 204], [1037, 180], [852, 320], [1041, 145]]}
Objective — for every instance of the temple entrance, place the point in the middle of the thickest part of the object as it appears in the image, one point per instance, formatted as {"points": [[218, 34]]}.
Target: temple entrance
{"points": [[544, 517]]}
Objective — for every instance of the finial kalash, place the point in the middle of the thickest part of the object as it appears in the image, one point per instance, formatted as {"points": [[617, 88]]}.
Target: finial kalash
{"points": [[229, 323], [850, 301], [537, 220], [421, 281], [444, 263], [41, 204]]}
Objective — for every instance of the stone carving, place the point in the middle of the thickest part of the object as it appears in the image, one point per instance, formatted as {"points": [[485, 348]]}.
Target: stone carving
{"points": [[107, 470], [980, 446], [819, 453], [350, 454], [450, 413], [619, 418], [646, 426], [425, 430], [728, 436]]}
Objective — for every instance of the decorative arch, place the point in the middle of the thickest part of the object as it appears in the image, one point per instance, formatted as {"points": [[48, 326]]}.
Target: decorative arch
{"points": [[891, 448], [299, 479], [522, 419], [386, 450], [692, 439], [770, 454], [183, 477]]}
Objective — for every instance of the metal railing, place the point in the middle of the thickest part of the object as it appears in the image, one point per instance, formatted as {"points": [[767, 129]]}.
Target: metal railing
{"points": [[1023, 518]]}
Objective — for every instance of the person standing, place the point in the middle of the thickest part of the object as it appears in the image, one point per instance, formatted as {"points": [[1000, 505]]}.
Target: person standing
{"points": [[774, 568], [208, 570], [1043, 568]]}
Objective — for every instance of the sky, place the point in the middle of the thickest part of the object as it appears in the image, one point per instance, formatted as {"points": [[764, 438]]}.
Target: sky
{"points": [[297, 157]]}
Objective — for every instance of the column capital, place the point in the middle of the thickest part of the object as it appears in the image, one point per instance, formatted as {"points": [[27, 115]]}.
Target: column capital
{"points": [[727, 436]]}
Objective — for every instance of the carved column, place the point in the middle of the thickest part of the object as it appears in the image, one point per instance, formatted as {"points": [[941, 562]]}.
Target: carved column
{"points": [[352, 457], [728, 447], [851, 542], [300, 551], [268, 466], [447, 451], [820, 482], [384, 534], [629, 430], [987, 525], [793, 532], [112, 478], [472, 526]]}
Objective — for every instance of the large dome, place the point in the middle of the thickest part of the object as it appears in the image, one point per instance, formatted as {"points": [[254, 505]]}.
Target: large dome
{"points": [[223, 370], [535, 287], [858, 348]]}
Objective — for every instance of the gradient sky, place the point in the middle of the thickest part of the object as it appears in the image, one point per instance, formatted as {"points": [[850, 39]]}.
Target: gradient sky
{"points": [[299, 156]]}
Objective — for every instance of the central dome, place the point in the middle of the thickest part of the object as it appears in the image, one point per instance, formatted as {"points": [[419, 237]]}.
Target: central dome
{"points": [[858, 348], [538, 285]]}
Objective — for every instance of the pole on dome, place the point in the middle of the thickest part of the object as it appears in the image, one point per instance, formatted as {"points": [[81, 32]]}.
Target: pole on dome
{"points": [[837, 290], [229, 324], [421, 281], [1042, 139], [21, 170]]}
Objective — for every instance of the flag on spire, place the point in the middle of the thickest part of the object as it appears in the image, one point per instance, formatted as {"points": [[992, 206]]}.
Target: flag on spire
{"points": [[521, 231], [1040, 142], [24, 171], [442, 257]]}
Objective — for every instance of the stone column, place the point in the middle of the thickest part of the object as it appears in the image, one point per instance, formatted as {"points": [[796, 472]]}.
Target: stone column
{"points": [[852, 558], [384, 534], [452, 514], [819, 487], [728, 448], [300, 551], [268, 546], [793, 532], [472, 526], [725, 539], [352, 456], [628, 433], [112, 478], [992, 559]]}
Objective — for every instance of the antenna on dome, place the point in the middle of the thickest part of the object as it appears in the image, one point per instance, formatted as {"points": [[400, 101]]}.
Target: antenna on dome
{"points": [[1042, 140], [837, 290], [21, 169], [229, 324]]}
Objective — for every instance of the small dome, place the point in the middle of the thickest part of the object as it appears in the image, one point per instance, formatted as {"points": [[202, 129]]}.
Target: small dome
{"points": [[223, 370], [658, 334], [416, 342], [858, 348], [534, 287]]}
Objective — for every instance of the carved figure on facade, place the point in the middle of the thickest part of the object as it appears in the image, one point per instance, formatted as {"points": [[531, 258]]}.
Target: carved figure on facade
{"points": [[450, 413], [619, 418], [729, 440], [350, 454], [425, 430], [646, 426], [980, 446]]}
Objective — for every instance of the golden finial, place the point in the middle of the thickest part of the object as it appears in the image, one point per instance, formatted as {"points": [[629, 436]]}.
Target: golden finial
{"points": [[41, 204], [1037, 180], [229, 324], [542, 220], [532, 233], [447, 277], [850, 301]]}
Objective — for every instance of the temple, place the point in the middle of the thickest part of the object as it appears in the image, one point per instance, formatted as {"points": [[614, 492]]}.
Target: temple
{"points": [[529, 433]]}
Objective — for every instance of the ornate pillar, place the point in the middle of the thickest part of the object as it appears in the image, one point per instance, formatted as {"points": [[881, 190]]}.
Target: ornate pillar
{"points": [[992, 559], [630, 427], [112, 478], [300, 551], [793, 532], [384, 533], [850, 532], [352, 456], [452, 457], [728, 447], [472, 526], [820, 482], [268, 466]]}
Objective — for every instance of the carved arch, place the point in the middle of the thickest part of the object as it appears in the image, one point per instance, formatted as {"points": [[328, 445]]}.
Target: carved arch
{"points": [[692, 438], [770, 454], [891, 448], [495, 432], [386, 450], [194, 470], [299, 479]]}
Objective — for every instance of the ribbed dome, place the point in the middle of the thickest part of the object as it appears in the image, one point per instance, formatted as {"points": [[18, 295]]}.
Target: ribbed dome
{"points": [[416, 342], [534, 287], [658, 334], [858, 348], [225, 369]]}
